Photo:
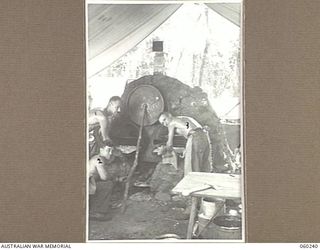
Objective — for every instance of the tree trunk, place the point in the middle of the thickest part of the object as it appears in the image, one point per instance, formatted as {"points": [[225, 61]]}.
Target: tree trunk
{"points": [[203, 63], [205, 51]]}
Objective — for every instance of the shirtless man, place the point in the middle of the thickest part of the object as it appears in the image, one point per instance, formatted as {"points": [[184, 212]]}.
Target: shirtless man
{"points": [[197, 149], [100, 122], [105, 169]]}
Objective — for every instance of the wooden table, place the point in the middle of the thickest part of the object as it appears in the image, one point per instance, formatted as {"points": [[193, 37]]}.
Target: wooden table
{"points": [[226, 186]]}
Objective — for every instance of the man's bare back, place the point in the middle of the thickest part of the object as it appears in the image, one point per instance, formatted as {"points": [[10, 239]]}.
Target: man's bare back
{"points": [[182, 125], [97, 118], [197, 148], [104, 118]]}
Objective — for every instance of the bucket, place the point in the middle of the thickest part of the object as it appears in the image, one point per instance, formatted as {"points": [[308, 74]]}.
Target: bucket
{"points": [[201, 224], [209, 207], [227, 227]]}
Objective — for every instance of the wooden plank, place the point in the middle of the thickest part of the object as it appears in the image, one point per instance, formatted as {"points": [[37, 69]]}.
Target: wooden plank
{"points": [[226, 185], [193, 213]]}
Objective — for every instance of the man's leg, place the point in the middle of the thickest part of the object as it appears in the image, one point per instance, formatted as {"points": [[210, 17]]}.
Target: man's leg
{"points": [[200, 153], [188, 166], [205, 158], [99, 203]]}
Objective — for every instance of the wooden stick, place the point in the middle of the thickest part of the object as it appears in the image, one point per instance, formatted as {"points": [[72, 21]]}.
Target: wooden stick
{"points": [[135, 163], [193, 214]]}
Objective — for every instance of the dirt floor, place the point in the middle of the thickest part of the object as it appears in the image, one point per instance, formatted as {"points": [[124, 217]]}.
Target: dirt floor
{"points": [[144, 218], [149, 214]]}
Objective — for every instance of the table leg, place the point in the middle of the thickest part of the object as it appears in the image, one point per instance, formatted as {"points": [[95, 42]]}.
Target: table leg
{"points": [[193, 212]]}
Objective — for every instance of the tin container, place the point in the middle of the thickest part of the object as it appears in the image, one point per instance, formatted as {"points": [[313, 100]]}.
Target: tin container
{"points": [[225, 227]]}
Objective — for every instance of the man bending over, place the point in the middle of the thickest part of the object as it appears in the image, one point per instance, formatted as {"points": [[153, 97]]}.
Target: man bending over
{"points": [[197, 153], [100, 122]]}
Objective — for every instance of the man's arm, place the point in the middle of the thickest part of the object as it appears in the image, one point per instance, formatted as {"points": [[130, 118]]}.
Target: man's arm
{"points": [[104, 127], [102, 172], [104, 123], [96, 167], [170, 136]]}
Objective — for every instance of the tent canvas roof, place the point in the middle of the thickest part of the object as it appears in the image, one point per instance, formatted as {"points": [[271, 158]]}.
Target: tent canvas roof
{"points": [[114, 29]]}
